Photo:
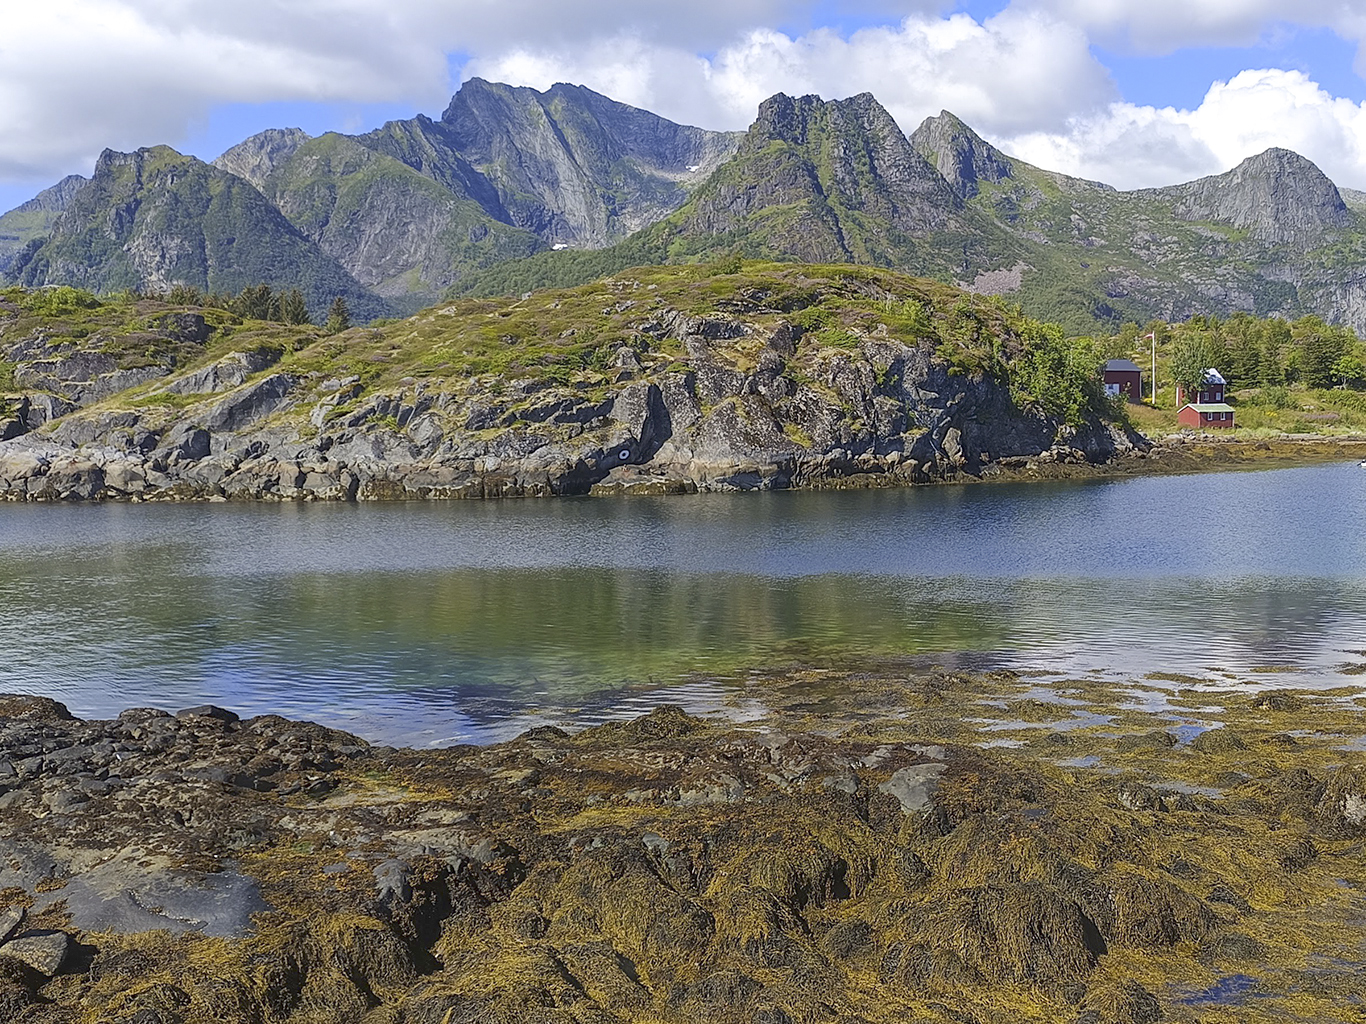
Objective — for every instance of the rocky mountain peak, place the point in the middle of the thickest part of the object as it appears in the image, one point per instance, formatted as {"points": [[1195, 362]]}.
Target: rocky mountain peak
{"points": [[56, 198], [255, 158], [962, 156], [784, 118], [1277, 196]]}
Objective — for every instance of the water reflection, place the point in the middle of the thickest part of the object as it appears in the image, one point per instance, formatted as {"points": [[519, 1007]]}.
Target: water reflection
{"points": [[464, 621]]}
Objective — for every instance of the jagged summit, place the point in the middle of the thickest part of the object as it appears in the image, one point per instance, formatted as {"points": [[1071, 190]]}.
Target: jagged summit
{"points": [[255, 158], [825, 181], [962, 156], [1277, 196]]}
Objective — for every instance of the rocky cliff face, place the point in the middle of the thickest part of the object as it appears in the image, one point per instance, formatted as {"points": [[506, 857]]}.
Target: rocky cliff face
{"points": [[575, 167], [849, 184], [1277, 197], [255, 158], [393, 229], [959, 154], [641, 385]]}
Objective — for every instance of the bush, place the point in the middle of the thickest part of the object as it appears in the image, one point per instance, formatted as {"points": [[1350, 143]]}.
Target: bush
{"points": [[60, 301], [1061, 376]]}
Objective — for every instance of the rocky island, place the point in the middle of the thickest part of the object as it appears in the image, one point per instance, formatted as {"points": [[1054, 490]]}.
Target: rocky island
{"points": [[705, 377], [884, 845]]}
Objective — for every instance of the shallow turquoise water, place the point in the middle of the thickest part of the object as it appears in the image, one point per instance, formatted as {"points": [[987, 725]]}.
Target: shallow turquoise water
{"points": [[424, 623]]}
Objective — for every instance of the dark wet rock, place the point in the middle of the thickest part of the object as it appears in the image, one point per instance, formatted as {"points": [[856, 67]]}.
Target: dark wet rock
{"points": [[10, 922], [914, 787], [209, 711], [1341, 810], [24, 707], [122, 896]]}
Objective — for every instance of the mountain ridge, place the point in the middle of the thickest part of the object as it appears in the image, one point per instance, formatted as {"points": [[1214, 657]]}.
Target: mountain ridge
{"points": [[474, 203]]}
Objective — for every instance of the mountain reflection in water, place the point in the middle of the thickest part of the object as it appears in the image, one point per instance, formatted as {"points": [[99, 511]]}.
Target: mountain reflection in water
{"points": [[423, 623]]}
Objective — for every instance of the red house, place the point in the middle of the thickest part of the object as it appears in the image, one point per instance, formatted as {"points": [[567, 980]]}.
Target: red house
{"points": [[1208, 411], [1123, 377]]}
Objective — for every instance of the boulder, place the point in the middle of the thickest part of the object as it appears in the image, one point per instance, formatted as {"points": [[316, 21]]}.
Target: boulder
{"points": [[44, 951]]}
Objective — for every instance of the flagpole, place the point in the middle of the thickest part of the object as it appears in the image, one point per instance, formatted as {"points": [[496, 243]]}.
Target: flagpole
{"points": [[1153, 384]]}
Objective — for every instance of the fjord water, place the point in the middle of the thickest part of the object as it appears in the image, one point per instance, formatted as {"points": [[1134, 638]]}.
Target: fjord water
{"points": [[446, 622]]}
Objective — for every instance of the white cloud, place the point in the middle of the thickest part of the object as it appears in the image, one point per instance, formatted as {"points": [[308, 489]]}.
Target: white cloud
{"points": [[1132, 147], [79, 75], [1013, 73], [1160, 26]]}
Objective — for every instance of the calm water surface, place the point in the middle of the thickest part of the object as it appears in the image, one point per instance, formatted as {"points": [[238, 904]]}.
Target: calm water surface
{"points": [[436, 623]]}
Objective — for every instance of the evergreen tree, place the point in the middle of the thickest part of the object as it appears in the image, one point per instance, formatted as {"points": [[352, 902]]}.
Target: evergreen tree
{"points": [[338, 317], [257, 302], [185, 295], [293, 309]]}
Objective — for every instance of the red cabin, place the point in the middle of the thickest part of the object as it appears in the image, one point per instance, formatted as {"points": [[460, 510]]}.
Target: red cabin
{"points": [[1123, 377], [1206, 409]]}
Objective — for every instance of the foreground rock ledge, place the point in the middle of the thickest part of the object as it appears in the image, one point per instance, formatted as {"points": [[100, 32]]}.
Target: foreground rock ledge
{"points": [[195, 867]]}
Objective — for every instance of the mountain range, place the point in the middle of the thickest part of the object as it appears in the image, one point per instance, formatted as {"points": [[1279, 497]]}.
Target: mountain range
{"points": [[514, 189]]}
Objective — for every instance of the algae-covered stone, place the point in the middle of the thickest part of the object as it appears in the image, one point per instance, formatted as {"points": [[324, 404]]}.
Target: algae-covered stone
{"points": [[1218, 741], [10, 921], [1342, 808], [1125, 1002], [44, 951], [914, 787]]}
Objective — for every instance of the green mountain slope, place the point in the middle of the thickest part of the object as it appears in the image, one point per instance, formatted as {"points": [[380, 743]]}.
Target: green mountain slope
{"points": [[477, 202], [1271, 237], [154, 218], [34, 219], [394, 230]]}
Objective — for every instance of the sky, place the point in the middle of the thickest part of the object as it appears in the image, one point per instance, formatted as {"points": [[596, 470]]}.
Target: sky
{"points": [[1135, 93]]}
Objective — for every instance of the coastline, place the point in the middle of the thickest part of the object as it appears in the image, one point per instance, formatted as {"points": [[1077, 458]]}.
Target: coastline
{"points": [[59, 475], [883, 845]]}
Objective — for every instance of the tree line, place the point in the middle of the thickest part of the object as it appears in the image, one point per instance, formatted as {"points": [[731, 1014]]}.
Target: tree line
{"points": [[261, 302], [1251, 352]]}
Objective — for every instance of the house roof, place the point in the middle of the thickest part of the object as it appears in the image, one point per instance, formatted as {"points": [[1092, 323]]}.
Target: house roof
{"points": [[1209, 407], [1213, 376], [1123, 364]]}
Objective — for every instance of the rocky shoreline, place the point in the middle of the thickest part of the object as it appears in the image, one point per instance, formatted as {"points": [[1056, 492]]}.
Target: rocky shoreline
{"points": [[45, 472], [884, 846]]}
